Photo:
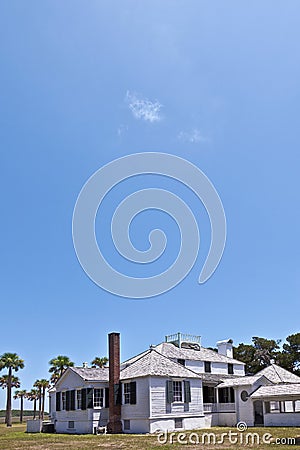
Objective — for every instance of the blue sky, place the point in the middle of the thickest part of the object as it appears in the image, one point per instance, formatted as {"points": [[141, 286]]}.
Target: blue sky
{"points": [[83, 83]]}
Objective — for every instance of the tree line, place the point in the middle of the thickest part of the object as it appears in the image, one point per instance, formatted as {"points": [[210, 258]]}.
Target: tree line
{"points": [[262, 352], [13, 363]]}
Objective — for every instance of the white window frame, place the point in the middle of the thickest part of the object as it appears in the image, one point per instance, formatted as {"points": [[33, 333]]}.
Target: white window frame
{"points": [[127, 393], [78, 398], [63, 401], [98, 398], [177, 391]]}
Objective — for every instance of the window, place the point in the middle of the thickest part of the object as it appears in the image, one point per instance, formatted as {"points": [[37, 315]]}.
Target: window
{"points": [[126, 424], [79, 399], [207, 366], [181, 361], [63, 400], [98, 398], [71, 424], [226, 395], [178, 423], [230, 369], [274, 407], [130, 393], [209, 394], [177, 391], [127, 393]]}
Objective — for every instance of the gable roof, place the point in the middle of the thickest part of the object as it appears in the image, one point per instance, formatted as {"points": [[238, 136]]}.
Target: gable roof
{"points": [[278, 375], [283, 390], [91, 373], [154, 364], [171, 351]]}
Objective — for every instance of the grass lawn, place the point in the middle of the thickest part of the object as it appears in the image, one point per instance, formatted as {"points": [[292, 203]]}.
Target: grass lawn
{"points": [[15, 438]]}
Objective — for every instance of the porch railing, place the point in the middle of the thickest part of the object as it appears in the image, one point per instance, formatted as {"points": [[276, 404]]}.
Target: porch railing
{"points": [[218, 407]]}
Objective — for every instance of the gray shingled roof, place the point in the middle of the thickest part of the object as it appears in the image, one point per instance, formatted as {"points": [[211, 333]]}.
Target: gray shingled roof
{"points": [[154, 364], [240, 381], [282, 390], [215, 378], [204, 354], [277, 375], [91, 374]]}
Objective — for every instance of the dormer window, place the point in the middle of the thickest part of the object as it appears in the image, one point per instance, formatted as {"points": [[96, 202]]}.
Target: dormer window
{"points": [[230, 369], [207, 366]]}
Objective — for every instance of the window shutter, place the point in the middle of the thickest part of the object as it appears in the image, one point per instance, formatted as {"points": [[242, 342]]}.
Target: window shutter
{"points": [[72, 400], [58, 401], [106, 398], [118, 393], [83, 398], [89, 398], [170, 393], [133, 393], [187, 391], [67, 400]]}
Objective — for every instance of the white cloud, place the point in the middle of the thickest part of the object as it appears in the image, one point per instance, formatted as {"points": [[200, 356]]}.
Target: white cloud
{"points": [[194, 136], [142, 108]]}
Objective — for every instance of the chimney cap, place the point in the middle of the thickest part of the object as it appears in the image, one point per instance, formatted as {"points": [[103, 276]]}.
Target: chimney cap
{"points": [[225, 341]]}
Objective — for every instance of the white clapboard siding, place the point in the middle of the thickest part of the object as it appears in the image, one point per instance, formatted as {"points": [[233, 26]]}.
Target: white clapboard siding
{"points": [[141, 409]]}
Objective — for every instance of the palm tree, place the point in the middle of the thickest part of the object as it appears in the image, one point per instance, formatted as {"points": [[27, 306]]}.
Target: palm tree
{"points": [[21, 394], [15, 383], [12, 362], [44, 385], [33, 396], [58, 366], [99, 362], [41, 385]]}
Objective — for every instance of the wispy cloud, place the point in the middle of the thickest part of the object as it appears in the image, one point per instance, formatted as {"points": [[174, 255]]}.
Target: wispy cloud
{"points": [[142, 108], [122, 129], [194, 136]]}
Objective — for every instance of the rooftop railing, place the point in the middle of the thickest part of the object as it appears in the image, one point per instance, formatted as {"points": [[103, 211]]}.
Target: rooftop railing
{"points": [[178, 338]]}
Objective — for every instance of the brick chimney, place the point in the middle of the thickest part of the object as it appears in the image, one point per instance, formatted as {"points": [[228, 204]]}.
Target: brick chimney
{"points": [[115, 395]]}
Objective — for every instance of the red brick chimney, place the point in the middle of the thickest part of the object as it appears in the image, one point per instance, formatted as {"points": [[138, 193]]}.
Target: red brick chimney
{"points": [[115, 395]]}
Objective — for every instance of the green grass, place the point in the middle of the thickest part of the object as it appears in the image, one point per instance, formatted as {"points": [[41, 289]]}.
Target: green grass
{"points": [[15, 438]]}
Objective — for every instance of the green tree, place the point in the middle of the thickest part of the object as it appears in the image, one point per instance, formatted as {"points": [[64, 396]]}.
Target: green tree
{"points": [[99, 362], [290, 356], [21, 394], [33, 396], [58, 366], [257, 355], [246, 354], [12, 362]]}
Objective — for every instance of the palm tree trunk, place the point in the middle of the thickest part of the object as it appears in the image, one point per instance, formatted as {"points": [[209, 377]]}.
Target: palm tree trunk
{"points": [[43, 402], [40, 402], [34, 408], [21, 410], [8, 417]]}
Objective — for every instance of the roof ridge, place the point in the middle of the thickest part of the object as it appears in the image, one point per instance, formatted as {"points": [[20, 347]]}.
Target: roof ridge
{"points": [[275, 368], [142, 355]]}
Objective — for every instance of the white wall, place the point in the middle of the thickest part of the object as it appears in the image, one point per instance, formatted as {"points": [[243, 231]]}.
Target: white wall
{"points": [[159, 406], [216, 367], [282, 420], [227, 419], [142, 408], [168, 424]]}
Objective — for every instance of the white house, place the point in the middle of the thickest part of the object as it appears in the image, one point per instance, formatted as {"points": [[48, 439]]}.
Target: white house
{"points": [[177, 384]]}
